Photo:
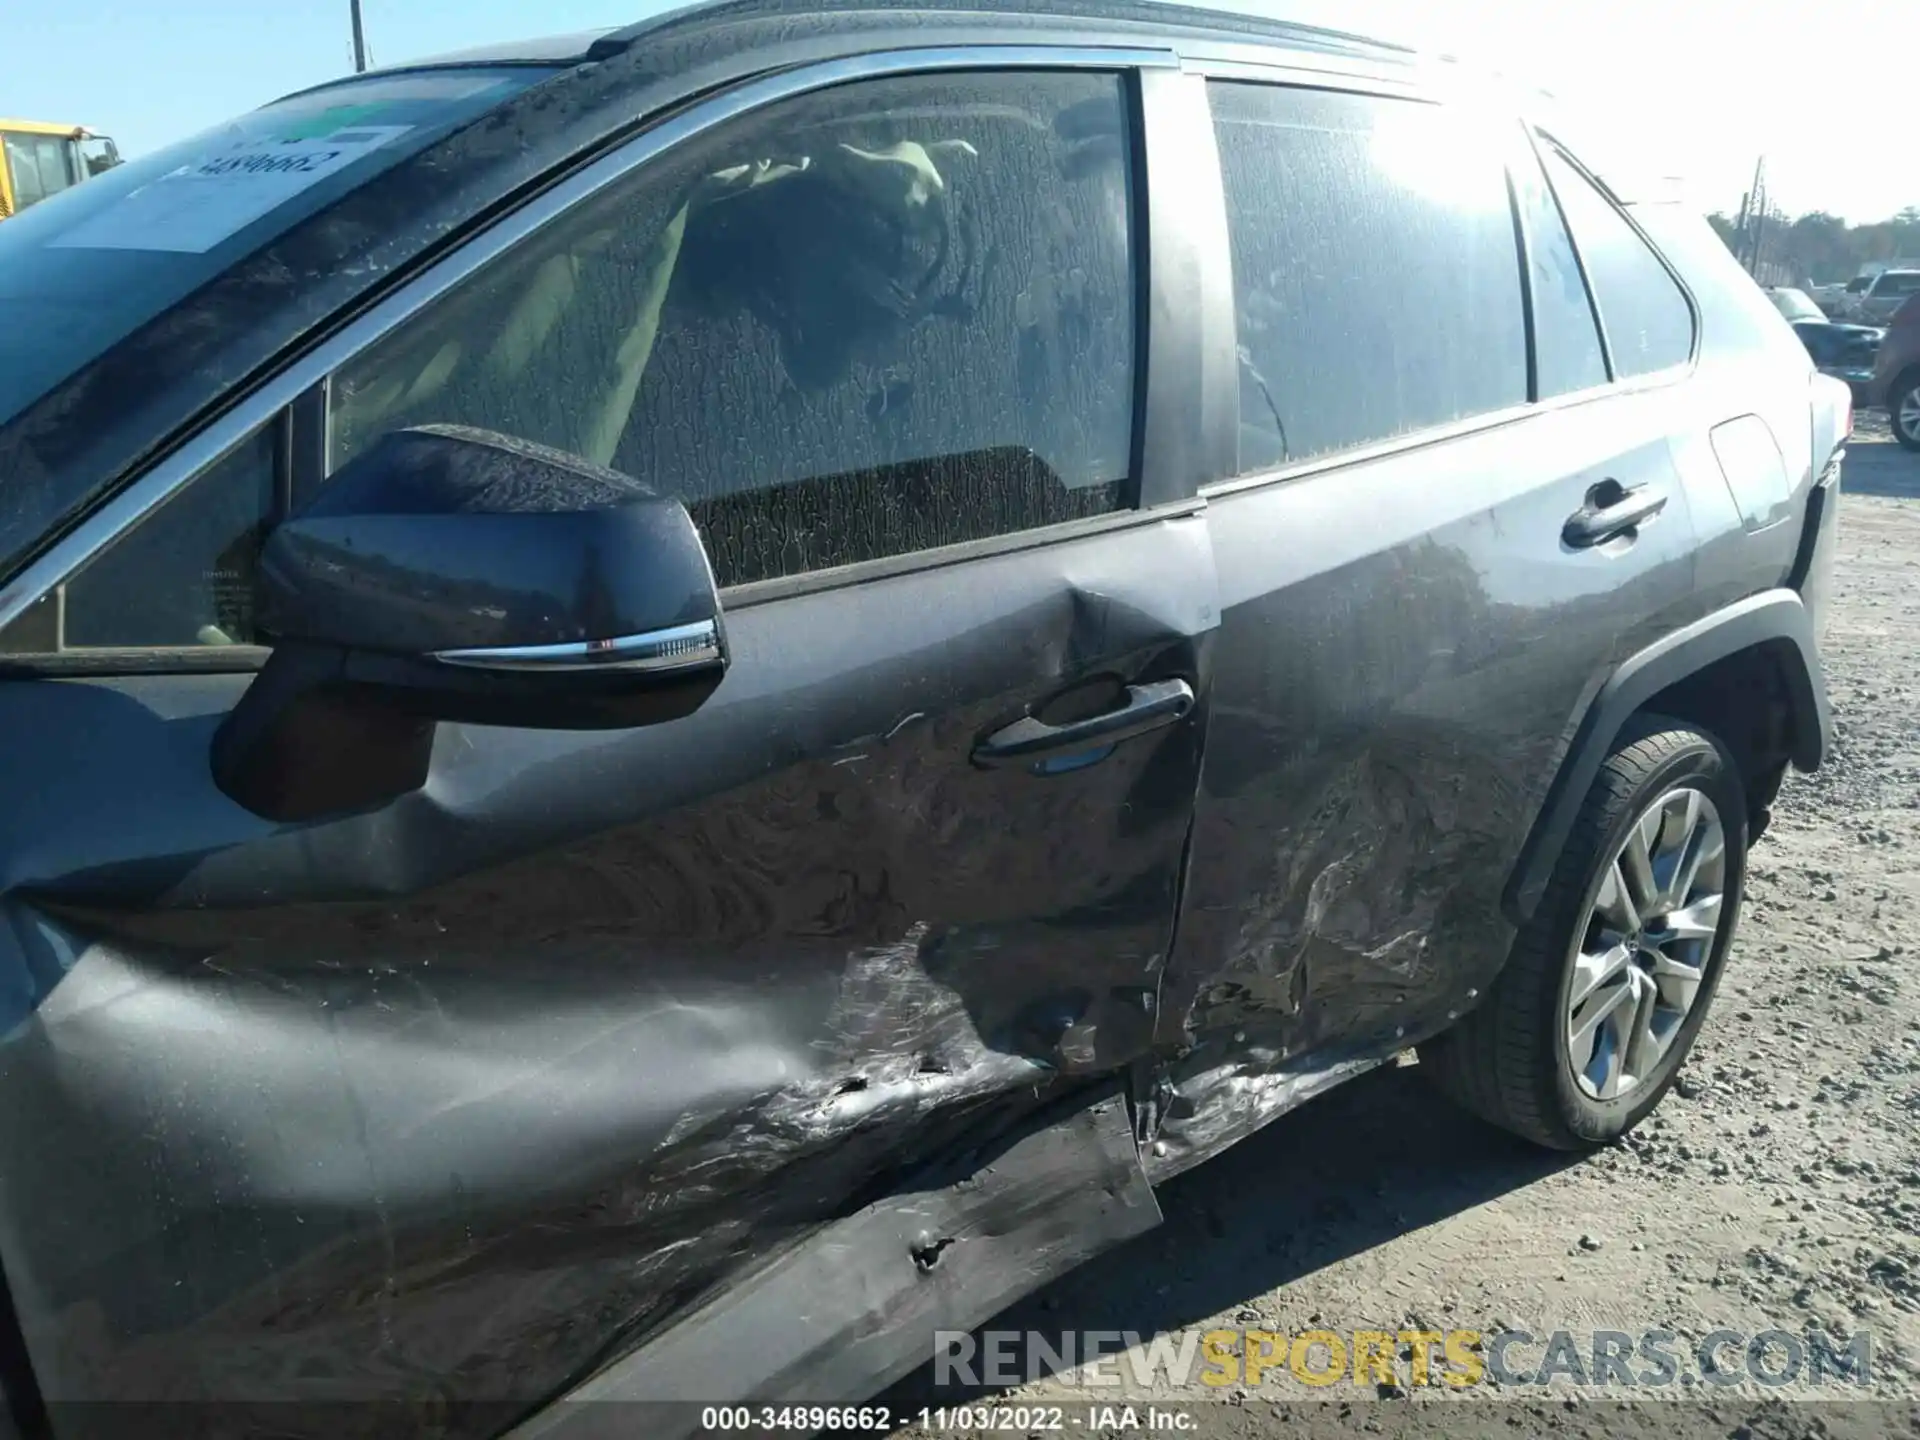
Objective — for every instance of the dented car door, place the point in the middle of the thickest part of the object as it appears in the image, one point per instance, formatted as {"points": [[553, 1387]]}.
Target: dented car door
{"points": [[450, 1099]]}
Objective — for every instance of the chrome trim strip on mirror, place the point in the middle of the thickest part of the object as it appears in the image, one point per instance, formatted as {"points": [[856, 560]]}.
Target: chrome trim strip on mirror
{"points": [[675, 648], [210, 444]]}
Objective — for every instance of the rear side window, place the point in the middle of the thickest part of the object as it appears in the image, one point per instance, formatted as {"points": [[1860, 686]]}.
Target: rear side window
{"points": [[1375, 268], [1566, 339], [1648, 322], [879, 319]]}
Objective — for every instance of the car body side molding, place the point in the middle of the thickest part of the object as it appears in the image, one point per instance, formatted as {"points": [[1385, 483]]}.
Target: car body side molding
{"points": [[1778, 619]]}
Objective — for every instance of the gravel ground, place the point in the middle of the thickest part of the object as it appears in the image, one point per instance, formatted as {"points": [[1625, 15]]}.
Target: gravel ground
{"points": [[1778, 1186]]}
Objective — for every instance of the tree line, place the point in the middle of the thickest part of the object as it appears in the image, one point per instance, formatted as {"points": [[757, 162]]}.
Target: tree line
{"points": [[1820, 248]]}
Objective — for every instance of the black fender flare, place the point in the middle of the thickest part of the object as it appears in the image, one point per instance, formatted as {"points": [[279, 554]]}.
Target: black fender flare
{"points": [[1776, 619]]}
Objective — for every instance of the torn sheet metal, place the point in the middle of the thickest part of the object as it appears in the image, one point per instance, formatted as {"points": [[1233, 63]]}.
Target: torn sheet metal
{"points": [[856, 1305]]}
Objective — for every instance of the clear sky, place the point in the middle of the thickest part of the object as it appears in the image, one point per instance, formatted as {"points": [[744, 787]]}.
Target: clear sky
{"points": [[1826, 88]]}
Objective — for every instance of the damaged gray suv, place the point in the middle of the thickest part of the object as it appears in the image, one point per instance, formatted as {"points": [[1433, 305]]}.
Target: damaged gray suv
{"points": [[677, 704]]}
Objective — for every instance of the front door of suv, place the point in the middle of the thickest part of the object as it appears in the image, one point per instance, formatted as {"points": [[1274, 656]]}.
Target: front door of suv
{"points": [[1407, 629], [446, 1102]]}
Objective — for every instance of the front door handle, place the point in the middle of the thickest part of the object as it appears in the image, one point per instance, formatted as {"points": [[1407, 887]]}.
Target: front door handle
{"points": [[1611, 510], [1147, 707]]}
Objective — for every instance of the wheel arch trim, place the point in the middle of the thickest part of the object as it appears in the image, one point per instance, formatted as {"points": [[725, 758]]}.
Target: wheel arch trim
{"points": [[1776, 620]]}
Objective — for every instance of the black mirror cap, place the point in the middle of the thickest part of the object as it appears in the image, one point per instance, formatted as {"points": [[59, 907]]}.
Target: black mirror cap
{"points": [[445, 538], [453, 574]]}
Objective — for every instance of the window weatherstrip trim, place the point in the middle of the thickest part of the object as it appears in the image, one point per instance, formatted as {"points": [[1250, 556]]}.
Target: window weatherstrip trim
{"points": [[219, 437]]}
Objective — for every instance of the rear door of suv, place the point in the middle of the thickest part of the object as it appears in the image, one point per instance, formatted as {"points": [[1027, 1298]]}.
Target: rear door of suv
{"points": [[1456, 507], [446, 1103]]}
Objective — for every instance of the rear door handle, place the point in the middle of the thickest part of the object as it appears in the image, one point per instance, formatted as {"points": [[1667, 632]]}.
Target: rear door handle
{"points": [[1147, 707], [1611, 510]]}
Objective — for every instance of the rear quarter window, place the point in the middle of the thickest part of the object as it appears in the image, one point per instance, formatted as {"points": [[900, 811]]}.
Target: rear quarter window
{"points": [[1648, 322], [1735, 314]]}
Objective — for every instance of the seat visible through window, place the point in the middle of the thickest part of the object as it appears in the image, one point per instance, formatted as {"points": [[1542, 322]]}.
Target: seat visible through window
{"points": [[874, 320]]}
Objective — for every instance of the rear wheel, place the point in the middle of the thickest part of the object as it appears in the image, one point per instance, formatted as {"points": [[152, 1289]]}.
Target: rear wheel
{"points": [[1903, 409], [1609, 982]]}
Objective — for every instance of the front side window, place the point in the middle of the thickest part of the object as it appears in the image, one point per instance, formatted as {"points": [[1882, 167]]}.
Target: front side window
{"points": [[1648, 321], [1375, 270], [873, 320]]}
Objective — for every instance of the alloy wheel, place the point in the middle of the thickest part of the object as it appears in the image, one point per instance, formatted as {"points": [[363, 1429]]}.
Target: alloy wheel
{"points": [[1906, 414], [1640, 954]]}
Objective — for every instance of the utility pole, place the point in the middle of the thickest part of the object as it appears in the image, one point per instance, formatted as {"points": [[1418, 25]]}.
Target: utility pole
{"points": [[359, 39], [1757, 214]]}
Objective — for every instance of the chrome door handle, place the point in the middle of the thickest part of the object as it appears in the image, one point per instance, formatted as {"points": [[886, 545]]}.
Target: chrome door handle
{"points": [[1147, 707], [1611, 510]]}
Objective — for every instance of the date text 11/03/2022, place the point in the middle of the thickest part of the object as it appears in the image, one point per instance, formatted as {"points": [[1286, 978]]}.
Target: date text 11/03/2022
{"points": [[959, 1419]]}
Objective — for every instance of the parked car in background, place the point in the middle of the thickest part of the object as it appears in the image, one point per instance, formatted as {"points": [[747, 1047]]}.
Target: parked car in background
{"points": [[1896, 375], [1829, 297], [1846, 352], [651, 743], [1847, 297], [1886, 293]]}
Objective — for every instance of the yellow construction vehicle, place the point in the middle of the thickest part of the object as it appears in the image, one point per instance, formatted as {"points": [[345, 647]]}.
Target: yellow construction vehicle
{"points": [[38, 160]]}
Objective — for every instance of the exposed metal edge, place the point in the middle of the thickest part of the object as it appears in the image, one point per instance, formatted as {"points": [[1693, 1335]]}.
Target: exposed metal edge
{"points": [[855, 1307], [175, 470], [675, 648], [1236, 1099]]}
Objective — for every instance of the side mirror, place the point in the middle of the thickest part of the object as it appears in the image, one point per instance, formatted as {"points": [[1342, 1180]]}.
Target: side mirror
{"points": [[455, 574]]}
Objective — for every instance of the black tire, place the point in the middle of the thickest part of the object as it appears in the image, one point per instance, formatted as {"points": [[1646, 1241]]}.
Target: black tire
{"points": [[1508, 1060], [1898, 394]]}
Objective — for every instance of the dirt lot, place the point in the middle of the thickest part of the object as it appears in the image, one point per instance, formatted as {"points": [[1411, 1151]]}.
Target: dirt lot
{"points": [[1779, 1186]]}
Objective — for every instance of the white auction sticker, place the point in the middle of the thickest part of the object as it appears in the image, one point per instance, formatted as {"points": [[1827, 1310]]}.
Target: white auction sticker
{"points": [[195, 207]]}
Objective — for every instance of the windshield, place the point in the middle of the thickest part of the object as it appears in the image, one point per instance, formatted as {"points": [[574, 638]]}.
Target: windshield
{"points": [[86, 266], [139, 299], [1858, 283]]}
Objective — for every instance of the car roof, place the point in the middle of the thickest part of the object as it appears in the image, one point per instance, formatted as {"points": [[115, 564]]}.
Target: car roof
{"points": [[573, 46], [720, 15], [720, 28]]}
